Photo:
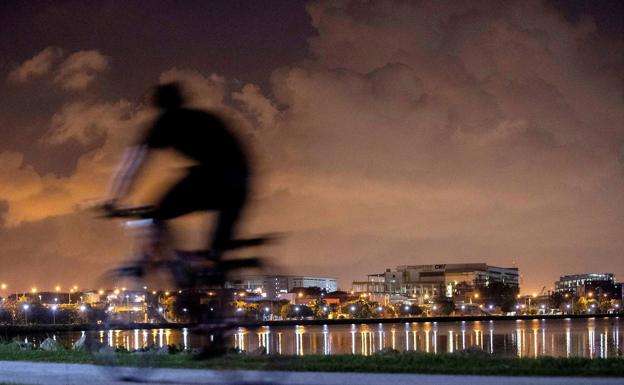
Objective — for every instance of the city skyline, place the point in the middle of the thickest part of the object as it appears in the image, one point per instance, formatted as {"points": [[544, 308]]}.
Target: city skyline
{"points": [[384, 134], [9, 289]]}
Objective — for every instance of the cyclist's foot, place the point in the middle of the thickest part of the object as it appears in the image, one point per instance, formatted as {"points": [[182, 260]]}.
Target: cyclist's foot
{"points": [[209, 352], [182, 274], [129, 271], [249, 242], [233, 244]]}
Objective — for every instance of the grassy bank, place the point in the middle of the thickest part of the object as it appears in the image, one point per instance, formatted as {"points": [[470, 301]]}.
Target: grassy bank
{"points": [[393, 362]]}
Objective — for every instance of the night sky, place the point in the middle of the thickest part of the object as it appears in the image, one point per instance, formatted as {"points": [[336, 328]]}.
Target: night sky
{"points": [[384, 132]]}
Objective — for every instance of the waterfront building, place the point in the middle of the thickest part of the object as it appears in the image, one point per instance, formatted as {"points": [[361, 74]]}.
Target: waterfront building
{"points": [[375, 283], [423, 283], [589, 284], [274, 285]]}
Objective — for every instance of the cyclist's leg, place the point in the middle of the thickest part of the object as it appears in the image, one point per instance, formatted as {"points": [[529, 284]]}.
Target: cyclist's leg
{"points": [[181, 199], [232, 204]]}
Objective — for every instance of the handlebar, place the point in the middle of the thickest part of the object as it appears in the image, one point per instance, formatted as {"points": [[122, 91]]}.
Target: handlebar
{"points": [[139, 212]]}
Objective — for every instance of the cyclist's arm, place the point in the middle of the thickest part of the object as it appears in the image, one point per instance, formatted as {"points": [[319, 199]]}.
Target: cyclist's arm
{"points": [[124, 178]]}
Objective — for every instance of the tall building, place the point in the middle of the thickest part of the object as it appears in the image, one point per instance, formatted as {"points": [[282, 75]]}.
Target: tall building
{"points": [[273, 285]]}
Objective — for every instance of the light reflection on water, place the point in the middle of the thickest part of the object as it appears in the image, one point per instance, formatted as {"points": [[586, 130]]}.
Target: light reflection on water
{"points": [[593, 338]]}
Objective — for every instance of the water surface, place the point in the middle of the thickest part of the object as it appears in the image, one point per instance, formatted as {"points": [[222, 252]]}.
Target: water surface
{"points": [[592, 338]]}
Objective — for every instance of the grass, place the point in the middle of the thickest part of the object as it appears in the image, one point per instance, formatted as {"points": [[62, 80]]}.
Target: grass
{"points": [[477, 363]]}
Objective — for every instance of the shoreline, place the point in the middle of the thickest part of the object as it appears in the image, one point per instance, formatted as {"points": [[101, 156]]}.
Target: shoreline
{"points": [[7, 329]]}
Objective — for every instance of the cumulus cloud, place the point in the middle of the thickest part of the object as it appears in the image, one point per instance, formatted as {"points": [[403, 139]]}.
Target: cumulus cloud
{"points": [[31, 196], [416, 132], [87, 122], [76, 72], [490, 119], [80, 69], [38, 65]]}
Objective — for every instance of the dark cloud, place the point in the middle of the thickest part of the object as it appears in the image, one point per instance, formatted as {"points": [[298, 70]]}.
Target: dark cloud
{"points": [[414, 132], [4, 208]]}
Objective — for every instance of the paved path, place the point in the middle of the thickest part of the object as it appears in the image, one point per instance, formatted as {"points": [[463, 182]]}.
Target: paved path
{"points": [[31, 373]]}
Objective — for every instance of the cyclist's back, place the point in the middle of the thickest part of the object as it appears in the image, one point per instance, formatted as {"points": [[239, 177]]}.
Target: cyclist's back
{"points": [[204, 138]]}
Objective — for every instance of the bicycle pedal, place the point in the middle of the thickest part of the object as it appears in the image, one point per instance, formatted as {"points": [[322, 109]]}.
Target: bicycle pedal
{"points": [[129, 271]]}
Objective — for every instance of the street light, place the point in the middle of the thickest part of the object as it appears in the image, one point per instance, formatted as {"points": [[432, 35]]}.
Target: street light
{"points": [[25, 307], [54, 307]]}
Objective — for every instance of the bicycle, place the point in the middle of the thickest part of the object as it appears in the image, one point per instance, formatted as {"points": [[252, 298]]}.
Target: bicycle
{"points": [[198, 274]]}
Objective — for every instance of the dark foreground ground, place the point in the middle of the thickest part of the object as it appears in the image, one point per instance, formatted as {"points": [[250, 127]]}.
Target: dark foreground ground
{"points": [[465, 363], [469, 362], [19, 372]]}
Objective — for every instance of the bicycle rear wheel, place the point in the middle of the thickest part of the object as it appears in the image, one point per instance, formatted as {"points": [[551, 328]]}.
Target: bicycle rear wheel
{"points": [[123, 343]]}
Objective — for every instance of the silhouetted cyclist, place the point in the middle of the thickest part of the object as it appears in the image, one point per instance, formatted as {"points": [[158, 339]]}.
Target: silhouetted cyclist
{"points": [[218, 181]]}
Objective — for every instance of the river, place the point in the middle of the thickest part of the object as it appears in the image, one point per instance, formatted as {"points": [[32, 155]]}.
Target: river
{"points": [[591, 337]]}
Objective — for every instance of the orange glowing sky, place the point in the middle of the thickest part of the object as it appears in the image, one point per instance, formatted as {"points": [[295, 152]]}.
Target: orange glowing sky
{"points": [[385, 132]]}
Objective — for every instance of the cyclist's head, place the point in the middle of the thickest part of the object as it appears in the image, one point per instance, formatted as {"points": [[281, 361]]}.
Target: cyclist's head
{"points": [[168, 96]]}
